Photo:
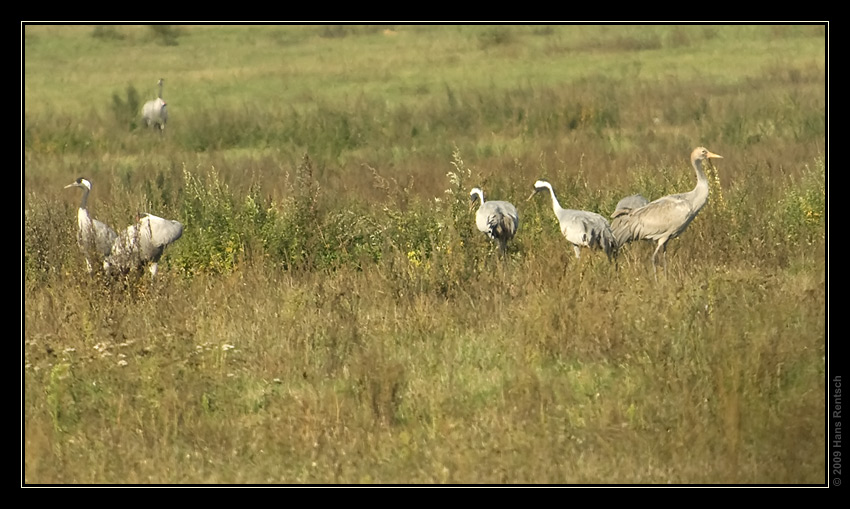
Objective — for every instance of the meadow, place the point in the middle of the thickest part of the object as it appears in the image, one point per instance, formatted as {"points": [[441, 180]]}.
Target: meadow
{"points": [[332, 316]]}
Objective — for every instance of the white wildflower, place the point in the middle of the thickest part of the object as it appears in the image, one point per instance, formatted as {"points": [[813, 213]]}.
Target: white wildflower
{"points": [[453, 178]]}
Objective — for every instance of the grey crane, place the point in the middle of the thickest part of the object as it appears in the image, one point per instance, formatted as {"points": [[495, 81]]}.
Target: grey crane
{"points": [[628, 204], [154, 112], [141, 243], [94, 237], [581, 228], [666, 218], [498, 219]]}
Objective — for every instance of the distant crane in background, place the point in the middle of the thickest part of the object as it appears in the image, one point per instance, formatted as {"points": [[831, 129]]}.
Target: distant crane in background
{"points": [[666, 218], [154, 112], [580, 227], [498, 219], [94, 237]]}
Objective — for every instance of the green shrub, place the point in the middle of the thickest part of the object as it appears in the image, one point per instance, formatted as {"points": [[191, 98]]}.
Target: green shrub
{"points": [[126, 112], [213, 242]]}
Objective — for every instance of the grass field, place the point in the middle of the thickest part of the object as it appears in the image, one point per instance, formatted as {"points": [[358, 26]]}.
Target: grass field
{"points": [[331, 314]]}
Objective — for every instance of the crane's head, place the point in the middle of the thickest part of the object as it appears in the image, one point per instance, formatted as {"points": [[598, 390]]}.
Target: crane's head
{"points": [[475, 195], [80, 182], [540, 185], [702, 153]]}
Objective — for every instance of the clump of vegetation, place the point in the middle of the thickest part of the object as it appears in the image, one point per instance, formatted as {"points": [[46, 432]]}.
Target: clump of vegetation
{"points": [[495, 36], [107, 32], [126, 111], [166, 35]]}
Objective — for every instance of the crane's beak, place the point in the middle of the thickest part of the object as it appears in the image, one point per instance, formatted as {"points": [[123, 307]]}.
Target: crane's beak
{"points": [[74, 184], [710, 156], [472, 202], [531, 195]]}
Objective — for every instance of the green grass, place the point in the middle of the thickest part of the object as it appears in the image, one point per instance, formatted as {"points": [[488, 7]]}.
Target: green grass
{"points": [[331, 315]]}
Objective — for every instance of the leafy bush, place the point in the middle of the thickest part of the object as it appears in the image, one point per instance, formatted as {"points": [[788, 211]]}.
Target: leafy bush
{"points": [[126, 112], [210, 228], [166, 34]]}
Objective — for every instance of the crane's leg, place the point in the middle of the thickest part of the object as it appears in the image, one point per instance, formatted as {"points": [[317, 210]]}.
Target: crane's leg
{"points": [[654, 255], [577, 250]]}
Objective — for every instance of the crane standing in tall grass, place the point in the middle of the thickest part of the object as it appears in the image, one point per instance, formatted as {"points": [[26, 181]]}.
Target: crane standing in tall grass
{"points": [[94, 237], [498, 219], [154, 112], [581, 228], [666, 218]]}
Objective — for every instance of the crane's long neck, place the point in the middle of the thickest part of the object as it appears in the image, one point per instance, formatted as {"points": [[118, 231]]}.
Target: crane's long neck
{"points": [[84, 200], [555, 205], [700, 192], [83, 219], [160, 89]]}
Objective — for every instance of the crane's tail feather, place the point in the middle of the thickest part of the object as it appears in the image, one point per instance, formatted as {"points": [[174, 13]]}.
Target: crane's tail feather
{"points": [[623, 230], [502, 227], [601, 237]]}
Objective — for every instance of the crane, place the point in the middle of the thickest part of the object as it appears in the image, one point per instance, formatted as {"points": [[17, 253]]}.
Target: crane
{"points": [[142, 242], [94, 237], [154, 112], [498, 219], [580, 227], [666, 218], [627, 204]]}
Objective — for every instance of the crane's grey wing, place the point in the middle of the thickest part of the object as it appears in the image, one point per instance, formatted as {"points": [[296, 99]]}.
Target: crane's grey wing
{"points": [[574, 226], [599, 235], [161, 232], [143, 241], [653, 221], [498, 219], [505, 218], [104, 237], [125, 250], [584, 228]]}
